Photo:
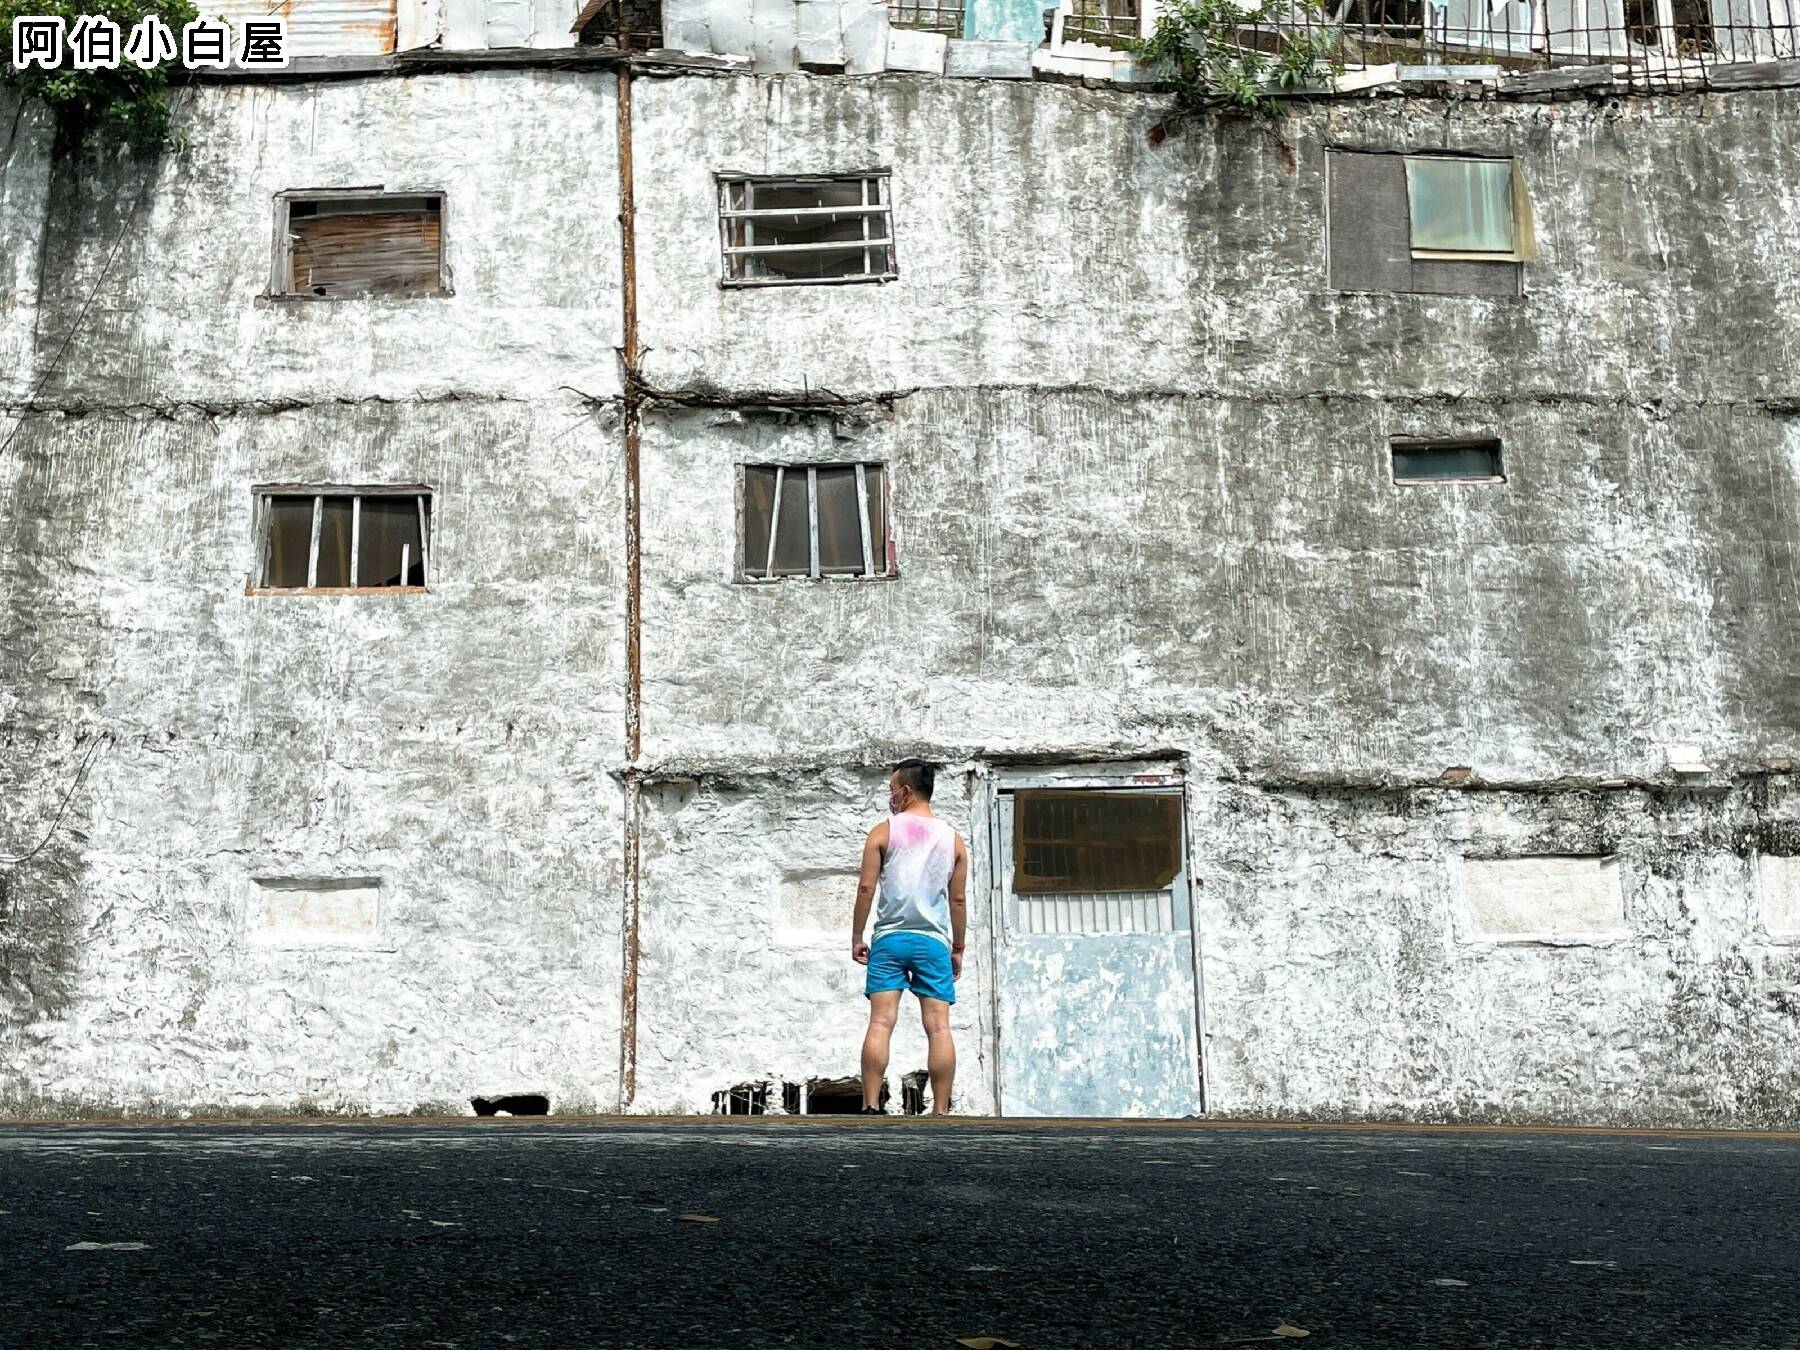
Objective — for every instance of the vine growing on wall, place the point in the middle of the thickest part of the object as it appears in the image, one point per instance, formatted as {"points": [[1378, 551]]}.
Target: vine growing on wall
{"points": [[130, 104], [1207, 51]]}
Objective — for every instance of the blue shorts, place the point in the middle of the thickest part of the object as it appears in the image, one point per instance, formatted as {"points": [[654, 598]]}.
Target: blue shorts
{"points": [[914, 961]]}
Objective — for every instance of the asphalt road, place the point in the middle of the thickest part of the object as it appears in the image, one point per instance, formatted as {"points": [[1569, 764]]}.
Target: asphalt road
{"points": [[891, 1233]]}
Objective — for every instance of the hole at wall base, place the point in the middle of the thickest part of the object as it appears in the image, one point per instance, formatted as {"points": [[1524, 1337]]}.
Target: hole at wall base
{"points": [[838, 1096], [746, 1099], [912, 1092], [523, 1104]]}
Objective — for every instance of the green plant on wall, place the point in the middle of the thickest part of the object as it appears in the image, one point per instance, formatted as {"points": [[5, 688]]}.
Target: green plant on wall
{"points": [[1207, 52], [130, 104]]}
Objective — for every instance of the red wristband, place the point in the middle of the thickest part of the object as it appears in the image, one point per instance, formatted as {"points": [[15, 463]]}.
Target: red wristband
{"points": [[954, 947]]}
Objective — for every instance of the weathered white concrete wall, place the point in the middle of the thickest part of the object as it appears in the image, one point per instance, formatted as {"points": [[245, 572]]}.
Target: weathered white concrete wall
{"points": [[459, 747], [1041, 240], [1332, 914], [746, 973], [1139, 456], [532, 261]]}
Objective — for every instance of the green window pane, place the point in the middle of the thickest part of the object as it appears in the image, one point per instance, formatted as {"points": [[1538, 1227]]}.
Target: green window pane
{"points": [[1461, 205]]}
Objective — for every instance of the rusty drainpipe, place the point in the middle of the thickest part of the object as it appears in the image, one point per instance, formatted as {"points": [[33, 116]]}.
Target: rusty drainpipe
{"points": [[628, 1000]]}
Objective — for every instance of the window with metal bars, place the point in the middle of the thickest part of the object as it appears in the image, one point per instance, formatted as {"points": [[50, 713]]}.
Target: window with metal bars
{"points": [[331, 540], [801, 230], [926, 18], [1105, 23], [816, 520]]}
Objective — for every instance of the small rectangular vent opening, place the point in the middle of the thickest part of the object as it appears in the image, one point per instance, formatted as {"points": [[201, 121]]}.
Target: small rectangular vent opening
{"points": [[1473, 460]]}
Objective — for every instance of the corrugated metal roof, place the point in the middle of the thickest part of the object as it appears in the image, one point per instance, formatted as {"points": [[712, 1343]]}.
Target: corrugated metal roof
{"points": [[322, 27]]}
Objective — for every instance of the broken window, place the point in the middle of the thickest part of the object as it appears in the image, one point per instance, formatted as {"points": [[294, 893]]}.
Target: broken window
{"points": [[1688, 34], [1081, 842], [926, 18], [1395, 18], [625, 25], [341, 245], [815, 520], [1447, 461], [793, 231], [1105, 23], [1434, 225], [344, 539]]}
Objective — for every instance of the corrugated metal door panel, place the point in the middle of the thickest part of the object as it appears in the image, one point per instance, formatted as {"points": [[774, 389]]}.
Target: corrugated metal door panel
{"points": [[323, 27]]}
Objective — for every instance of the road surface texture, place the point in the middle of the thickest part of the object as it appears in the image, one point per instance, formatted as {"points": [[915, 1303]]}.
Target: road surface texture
{"points": [[891, 1233]]}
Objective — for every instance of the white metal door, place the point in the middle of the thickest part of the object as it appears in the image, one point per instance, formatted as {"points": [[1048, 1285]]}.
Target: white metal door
{"points": [[1095, 990]]}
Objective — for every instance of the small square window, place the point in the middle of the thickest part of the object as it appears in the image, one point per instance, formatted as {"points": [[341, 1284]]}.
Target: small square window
{"points": [[330, 540], [339, 246], [796, 231], [815, 520], [1461, 206], [1455, 461]]}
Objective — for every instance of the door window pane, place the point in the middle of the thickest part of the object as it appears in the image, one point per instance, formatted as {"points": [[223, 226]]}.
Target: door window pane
{"points": [[1093, 841]]}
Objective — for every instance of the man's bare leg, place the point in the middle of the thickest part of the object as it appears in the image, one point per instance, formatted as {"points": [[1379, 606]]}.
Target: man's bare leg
{"points": [[884, 1010], [940, 1052]]}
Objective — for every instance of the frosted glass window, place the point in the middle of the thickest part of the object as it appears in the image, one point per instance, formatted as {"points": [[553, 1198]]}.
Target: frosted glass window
{"points": [[1461, 205]]}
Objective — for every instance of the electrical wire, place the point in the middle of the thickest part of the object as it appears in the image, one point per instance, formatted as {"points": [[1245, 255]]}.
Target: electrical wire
{"points": [[62, 810]]}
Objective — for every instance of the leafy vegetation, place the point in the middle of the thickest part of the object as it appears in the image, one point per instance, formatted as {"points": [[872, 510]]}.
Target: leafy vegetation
{"points": [[130, 103], [1220, 53]]}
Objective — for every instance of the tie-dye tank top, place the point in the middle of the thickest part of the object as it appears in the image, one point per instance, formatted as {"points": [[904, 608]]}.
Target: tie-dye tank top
{"points": [[915, 877]]}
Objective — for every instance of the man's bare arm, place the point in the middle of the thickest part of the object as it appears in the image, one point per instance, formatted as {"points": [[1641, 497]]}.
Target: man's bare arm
{"points": [[959, 909], [873, 847]]}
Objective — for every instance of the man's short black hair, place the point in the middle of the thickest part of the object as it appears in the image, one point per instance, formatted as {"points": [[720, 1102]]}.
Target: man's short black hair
{"points": [[917, 775]]}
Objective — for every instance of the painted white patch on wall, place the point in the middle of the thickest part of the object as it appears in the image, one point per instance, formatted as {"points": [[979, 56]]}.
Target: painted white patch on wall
{"points": [[288, 912], [813, 906], [1543, 899], [1779, 885]]}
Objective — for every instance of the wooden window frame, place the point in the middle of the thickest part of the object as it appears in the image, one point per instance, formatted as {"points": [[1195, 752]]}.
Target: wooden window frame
{"points": [[280, 246], [876, 183], [890, 569], [264, 492]]}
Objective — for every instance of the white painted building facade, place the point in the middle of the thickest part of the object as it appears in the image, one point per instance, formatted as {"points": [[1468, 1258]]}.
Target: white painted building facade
{"points": [[1483, 790]]}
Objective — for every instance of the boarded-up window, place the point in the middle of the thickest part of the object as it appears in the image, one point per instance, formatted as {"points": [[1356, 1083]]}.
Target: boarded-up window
{"points": [[340, 247], [1371, 228], [1453, 461], [792, 231], [1084, 842], [343, 538], [1546, 898], [815, 520]]}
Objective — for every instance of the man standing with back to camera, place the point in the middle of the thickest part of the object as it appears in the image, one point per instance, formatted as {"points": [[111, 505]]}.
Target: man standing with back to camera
{"points": [[922, 869]]}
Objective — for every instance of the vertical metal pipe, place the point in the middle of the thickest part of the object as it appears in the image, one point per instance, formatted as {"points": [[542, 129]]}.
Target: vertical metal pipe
{"points": [[633, 599]]}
